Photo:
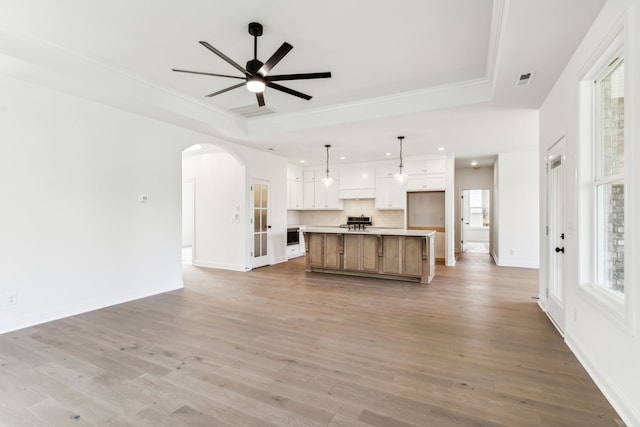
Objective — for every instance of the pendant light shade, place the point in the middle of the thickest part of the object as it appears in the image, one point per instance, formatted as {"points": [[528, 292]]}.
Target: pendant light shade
{"points": [[327, 180], [401, 175]]}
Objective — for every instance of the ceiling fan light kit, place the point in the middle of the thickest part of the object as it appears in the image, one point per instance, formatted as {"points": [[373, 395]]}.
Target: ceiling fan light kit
{"points": [[256, 72], [256, 84]]}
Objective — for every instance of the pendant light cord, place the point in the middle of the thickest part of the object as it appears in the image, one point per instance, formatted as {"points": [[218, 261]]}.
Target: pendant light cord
{"points": [[327, 146]]}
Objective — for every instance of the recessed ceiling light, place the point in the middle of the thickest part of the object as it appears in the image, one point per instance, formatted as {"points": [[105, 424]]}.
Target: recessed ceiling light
{"points": [[440, 148], [342, 157], [387, 154], [302, 161], [474, 163]]}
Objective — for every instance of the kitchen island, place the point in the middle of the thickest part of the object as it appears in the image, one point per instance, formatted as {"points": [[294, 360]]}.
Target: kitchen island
{"points": [[390, 253]]}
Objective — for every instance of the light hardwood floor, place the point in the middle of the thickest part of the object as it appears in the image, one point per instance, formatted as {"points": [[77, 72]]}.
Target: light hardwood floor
{"points": [[279, 346]]}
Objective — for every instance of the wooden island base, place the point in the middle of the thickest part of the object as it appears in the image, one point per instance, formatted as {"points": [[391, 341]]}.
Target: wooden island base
{"points": [[383, 253]]}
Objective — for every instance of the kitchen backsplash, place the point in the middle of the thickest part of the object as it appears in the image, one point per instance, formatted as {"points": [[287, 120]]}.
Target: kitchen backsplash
{"points": [[366, 207]]}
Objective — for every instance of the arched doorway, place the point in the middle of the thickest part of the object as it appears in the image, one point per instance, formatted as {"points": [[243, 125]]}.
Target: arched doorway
{"points": [[214, 206]]}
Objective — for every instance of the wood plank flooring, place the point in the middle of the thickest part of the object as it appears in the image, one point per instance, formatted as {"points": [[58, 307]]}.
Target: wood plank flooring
{"points": [[281, 347]]}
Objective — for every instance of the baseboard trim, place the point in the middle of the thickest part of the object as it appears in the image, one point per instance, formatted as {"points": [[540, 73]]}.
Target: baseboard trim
{"points": [[83, 307], [625, 409], [206, 264]]}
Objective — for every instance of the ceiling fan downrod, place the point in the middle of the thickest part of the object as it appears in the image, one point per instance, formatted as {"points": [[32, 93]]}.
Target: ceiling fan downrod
{"points": [[255, 29]]}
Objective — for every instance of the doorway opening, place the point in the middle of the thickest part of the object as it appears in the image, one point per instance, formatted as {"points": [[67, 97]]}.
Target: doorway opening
{"points": [[214, 208], [476, 221]]}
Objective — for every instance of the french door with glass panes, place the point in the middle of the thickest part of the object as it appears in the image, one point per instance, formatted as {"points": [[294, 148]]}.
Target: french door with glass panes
{"points": [[260, 254]]}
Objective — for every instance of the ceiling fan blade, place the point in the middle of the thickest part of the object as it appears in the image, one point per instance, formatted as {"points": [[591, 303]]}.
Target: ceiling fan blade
{"points": [[225, 90], [302, 76], [207, 74], [275, 58], [225, 57], [289, 91], [260, 97]]}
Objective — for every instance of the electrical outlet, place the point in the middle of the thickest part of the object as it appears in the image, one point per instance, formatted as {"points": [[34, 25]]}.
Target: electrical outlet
{"points": [[12, 298]]}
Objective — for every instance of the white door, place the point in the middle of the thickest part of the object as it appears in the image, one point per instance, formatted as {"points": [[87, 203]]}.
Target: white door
{"points": [[465, 219], [260, 255], [555, 236]]}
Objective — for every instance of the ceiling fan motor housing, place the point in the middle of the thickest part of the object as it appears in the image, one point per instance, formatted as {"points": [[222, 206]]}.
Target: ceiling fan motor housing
{"points": [[253, 66]]}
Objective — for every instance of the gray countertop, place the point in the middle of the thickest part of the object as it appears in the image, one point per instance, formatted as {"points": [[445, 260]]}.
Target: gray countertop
{"points": [[369, 230]]}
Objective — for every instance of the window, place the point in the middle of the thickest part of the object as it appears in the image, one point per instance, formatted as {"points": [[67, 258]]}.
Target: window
{"points": [[479, 208], [609, 177]]}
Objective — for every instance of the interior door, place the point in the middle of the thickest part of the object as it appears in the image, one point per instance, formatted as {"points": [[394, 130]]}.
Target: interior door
{"points": [[465, 218], [260, 255], [556, 237]]}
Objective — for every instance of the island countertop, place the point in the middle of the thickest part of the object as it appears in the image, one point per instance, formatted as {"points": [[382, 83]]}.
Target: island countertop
{"points": [[368, 230]]}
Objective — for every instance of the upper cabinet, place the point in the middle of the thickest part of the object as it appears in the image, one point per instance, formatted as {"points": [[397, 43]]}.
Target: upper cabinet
{"points": [[390, 194], [305, 189], [295, 195], [426, 166], [426, 174], [317, 195]]}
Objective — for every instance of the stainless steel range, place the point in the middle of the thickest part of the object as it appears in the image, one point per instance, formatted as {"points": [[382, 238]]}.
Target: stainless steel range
{"points": [[357, 222]]}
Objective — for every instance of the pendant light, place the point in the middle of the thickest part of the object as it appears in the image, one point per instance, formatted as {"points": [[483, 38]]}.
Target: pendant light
{"points": [[327, 180], [401, 175]]}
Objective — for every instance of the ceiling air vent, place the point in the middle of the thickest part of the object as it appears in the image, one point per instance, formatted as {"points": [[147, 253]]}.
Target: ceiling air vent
{"points": [[253, 110], [524, 79]]}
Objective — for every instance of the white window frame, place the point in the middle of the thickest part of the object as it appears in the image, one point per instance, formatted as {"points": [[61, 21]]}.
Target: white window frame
{"points": [[604, 180], [615, 306]]}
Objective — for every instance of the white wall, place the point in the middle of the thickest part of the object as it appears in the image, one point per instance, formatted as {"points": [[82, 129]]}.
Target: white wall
{"points": [[188, 212], [517, 210], [607, 347], [74, 236]]}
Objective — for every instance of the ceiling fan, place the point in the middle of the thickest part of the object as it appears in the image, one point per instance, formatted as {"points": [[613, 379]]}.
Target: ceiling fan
{"points": [[256, 73]]}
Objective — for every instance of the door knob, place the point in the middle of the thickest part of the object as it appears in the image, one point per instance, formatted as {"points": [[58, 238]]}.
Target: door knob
{"points": [[560, 250]]}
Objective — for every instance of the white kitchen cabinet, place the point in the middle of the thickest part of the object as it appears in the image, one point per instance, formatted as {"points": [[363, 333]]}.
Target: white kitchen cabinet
{"points": [[316, 195], [308, 195], [295, 173], [390, 194], [387, 170], [426, 182], [426, 166], [426, 174], [295, 194], [327, 198], [294, 188]]}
